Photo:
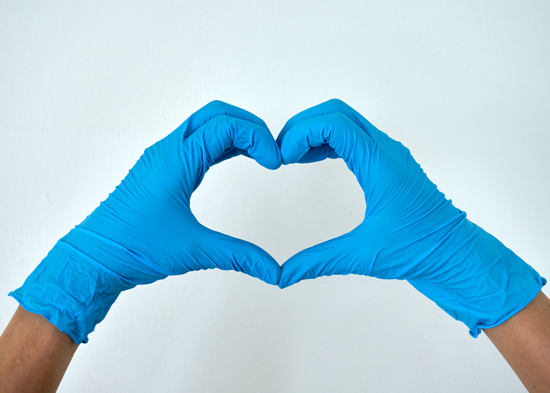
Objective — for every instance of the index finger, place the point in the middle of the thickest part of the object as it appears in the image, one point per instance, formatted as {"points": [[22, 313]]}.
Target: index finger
{"points": [[335, 130], [331, 106], [210, 111]]}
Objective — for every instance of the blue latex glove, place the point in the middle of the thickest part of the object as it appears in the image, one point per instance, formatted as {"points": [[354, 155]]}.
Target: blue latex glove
{"points": [[145, 231], [410, 231]]}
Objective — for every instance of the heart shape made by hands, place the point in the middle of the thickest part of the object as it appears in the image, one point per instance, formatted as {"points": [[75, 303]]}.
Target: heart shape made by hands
{"points": [[145, 230]]}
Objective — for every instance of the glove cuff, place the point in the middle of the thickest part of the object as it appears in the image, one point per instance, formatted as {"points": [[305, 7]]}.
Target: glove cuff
{"points": [[71, 290], [489, 283]]}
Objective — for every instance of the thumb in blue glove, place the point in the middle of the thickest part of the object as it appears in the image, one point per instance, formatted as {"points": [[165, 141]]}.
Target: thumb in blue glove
{"points": [[145, 230], [410, 230]]}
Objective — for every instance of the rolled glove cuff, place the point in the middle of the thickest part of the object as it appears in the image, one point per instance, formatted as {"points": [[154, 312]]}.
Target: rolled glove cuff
{"points": [[484, 283], [71, 290]]}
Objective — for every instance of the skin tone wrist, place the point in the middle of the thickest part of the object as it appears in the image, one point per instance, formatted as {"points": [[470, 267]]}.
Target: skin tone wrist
{"points": [[34, 354], [524, 341]]}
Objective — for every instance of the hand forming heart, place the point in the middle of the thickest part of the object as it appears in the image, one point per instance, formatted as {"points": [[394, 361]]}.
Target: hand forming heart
{"points": [[145, 230]]}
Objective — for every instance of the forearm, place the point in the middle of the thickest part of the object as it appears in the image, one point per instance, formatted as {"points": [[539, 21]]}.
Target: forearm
{"points": [[524, 341], [34, 354]]}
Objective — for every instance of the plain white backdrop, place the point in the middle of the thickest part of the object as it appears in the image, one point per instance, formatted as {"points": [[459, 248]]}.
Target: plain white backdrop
{"points": [[86, 87]]}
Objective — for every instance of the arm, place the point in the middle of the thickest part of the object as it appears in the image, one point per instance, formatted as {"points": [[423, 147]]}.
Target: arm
{"points": [[524, 341], [32, 346]]}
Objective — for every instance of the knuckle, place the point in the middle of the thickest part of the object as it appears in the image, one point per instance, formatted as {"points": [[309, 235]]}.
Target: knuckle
{"points": [[216, 106], [338, 104]]}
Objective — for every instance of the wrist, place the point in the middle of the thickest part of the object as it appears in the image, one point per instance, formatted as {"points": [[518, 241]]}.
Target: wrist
{"points": [[71, 291], [484, 284]]}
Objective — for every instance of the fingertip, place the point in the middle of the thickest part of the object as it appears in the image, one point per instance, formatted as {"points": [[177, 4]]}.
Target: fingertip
{"points": [[285, 282], [290, 281], [294, 145], [252, 260], [294, 270], [282, 285], [264, 268], [271, 269], [274, 277], [274, 160], [281, 137], [287, 147], [259, 143], [268, 155]]}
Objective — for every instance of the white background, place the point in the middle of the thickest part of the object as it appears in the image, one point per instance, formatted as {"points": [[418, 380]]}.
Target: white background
{"points": [[86, 87]]}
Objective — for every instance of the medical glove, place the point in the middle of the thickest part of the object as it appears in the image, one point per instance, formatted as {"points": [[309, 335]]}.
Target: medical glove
{"points": [[410, 230], [145, 230]]}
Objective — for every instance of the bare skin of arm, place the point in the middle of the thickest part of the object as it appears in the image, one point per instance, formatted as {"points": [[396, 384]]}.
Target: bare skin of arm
{"points": [[524, 341], [34, 354]]}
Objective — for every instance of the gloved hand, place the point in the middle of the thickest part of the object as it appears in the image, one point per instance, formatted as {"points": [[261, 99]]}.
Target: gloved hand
{"points": [[410, 231], [145, 231]]}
